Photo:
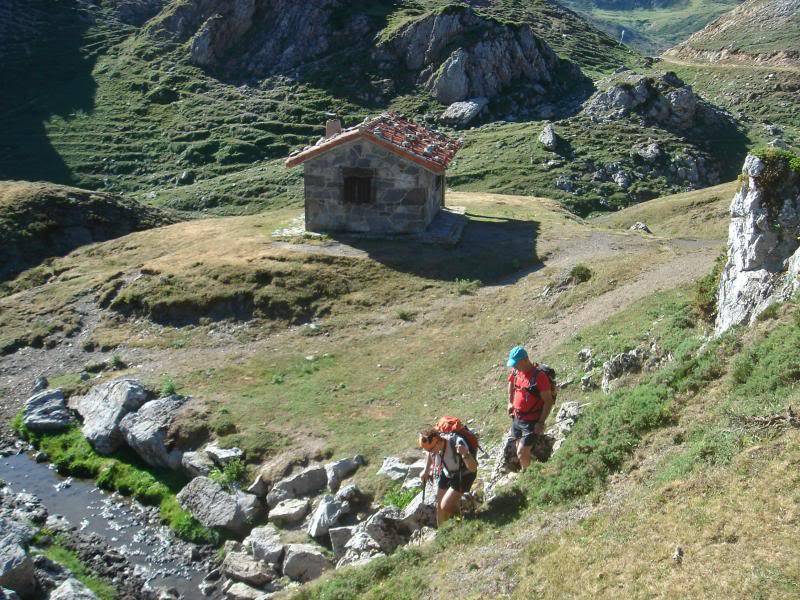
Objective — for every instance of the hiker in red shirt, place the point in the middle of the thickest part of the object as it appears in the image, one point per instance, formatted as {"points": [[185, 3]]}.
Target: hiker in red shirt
{"points": [[530, 400]]}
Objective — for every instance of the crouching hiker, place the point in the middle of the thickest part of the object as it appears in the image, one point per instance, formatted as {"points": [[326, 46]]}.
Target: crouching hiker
{"points": [[531, 395], [452, 463]]}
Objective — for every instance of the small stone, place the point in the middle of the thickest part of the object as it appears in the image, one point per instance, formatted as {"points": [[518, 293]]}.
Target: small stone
{"points": [[223, 456], [639, 226]]}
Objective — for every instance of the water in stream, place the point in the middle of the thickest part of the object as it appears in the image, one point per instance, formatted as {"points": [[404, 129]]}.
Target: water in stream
{"points": [[127, 526]]}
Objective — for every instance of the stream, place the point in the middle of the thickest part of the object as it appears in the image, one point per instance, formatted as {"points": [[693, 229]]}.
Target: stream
{"points": [[129, 527]]}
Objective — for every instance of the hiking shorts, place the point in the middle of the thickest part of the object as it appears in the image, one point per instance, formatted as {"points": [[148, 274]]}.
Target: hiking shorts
{"points": [[460, 484], [523, 430]]}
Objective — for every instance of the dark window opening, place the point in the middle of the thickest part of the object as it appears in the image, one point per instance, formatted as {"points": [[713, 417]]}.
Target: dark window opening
{"points": [[357, 186]]}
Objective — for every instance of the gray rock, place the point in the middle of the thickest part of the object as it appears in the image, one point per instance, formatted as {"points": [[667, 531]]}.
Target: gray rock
{"points": [[384, 527], [264, 543], [240, 566], [223, 456], [649, 153], [763, 246], [622, 179], [72, 589], [16, 568], [304, 562], [242, 591], [7, 594], [584, 354], [145, 431], [340, 470], [250, 505], [639, 226], [548, 137], [360, 549], [587, 383], [339, 538], [327, 514], [418, 513], [104, 407], [288, 512], [566, 417], [308, 481], [18, 532], [622, 364], [197, 463], [213, 506], [40, 385], [461, 114], [46, 412], [352, 494], [394, 468]]}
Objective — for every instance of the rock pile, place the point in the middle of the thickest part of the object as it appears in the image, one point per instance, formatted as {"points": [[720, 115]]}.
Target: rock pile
{"points": [[46, 412], [763, 264]]}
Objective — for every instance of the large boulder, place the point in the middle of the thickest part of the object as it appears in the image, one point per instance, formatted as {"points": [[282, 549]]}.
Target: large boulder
{"points": [[16, 568], [240, 566], [461, 114], [242, 591], [763, 265], [104, 407], [197, 463], [288, 512], [548, 137], [146, 431], [360, 549], [264, 543], [307, 482], [339, 538], [327, 514], [419, 513], [386, 529], [304, 562], [46, 412], [214, 507], [72, 589]]}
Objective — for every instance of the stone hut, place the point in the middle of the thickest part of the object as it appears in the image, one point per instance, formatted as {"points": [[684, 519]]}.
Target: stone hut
{"points": [[384, 176]]}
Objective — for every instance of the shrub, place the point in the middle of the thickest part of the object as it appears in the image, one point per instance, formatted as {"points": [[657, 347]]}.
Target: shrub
{"points": [[231, 475], [704, 302], [167, 387], [580, 273], [467, 287], [117, 363], [405, 315]]}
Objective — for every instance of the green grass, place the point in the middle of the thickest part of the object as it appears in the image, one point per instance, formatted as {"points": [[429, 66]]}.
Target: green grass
{"points": [[231, 476], [83, 572], [398, 497], [72, 454]]}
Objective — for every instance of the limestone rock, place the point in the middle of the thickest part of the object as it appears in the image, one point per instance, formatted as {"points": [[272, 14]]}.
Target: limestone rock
{"points": [[418, 513], [308, 481], [197, 463], [213, 506], [394, 468], [242, 591], [327, 514], [359, 549], [649, 153], [763, 246], [304, 562], [104, 407], [622, 364], [72, 589], [639, 226], [340, 470], [40, 385], [222, 456], [584, 354], [566, 417], [146, 431], [548, 137], [622, 179], [461, 114], [46, 412], [288, 512], [352, 494], [264, 543], [339, 538], [16, 568], [240, 566]]}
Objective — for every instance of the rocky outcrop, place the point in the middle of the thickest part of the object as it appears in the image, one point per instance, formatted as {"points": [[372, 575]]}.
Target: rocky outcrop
{"points": [[288, 512], [621, 364], [666, 101], [46, 412], [566, 417], [763, 242], [548, 137], [213, 506], [461, 114], [264, 543], [146, 431], [458, 54], [241, 566], [16, 568], [136, 12], [104, 407], [308, 481], [339, 470], [328, 513]]}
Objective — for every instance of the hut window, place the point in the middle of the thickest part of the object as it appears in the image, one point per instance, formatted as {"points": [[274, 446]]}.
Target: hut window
{"points": [[357, 186]]}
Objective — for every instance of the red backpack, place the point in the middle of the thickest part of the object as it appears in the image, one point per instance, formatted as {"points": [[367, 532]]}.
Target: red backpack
{"points": [[455, 425]]}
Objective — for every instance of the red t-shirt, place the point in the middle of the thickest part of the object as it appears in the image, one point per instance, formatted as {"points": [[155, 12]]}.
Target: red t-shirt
{"points": [[528, 406]]}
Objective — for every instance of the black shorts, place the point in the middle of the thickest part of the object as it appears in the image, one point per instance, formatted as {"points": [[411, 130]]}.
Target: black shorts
{"points": [[461, 483], [523, 430]]}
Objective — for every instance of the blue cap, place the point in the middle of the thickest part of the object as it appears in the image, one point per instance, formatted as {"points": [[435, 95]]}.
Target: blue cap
{"points": [[517, 354]]}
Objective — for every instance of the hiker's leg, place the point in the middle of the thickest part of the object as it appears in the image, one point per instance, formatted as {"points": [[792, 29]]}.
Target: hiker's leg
{"points": [[440, 518], [524, 454], [451, 503]]}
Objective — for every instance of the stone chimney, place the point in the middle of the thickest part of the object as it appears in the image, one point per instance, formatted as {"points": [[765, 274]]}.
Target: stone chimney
{"points": [[332, 127]]}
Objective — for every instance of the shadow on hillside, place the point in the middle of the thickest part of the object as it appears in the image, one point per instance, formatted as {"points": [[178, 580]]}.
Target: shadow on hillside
{"points": [[45, 74], [492, 250]]}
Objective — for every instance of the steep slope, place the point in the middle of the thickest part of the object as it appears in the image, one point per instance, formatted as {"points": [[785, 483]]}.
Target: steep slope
{"points": [[39, 220], [757, 31]]}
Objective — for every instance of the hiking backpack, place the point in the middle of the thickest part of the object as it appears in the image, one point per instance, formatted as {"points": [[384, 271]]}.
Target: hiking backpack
{"points": [[533, 391], [457, 426]]}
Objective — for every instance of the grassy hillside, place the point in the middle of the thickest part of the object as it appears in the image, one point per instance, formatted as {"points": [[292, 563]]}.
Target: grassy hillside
{"points": [[651, 27]]}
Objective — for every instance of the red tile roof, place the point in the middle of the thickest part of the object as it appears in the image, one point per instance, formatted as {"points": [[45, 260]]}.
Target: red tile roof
{"points": [[431, 149]]}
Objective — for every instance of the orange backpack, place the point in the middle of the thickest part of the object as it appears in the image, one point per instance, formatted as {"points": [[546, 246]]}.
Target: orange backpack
{"points": [[456, 425]]}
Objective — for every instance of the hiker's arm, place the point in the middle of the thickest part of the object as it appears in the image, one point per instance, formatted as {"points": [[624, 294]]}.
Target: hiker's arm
{"points": [[510, 407], [467, 457], [427, 472], [547, 398]]}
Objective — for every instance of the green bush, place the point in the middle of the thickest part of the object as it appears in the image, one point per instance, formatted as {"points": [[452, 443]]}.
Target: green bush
{"points": [[231, 475], [400, 498], [467, 287], [580, 273], [704, 303], [167, 387]]}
